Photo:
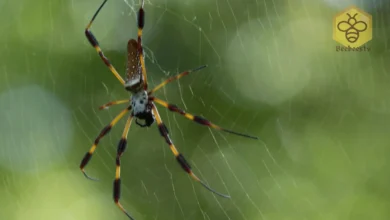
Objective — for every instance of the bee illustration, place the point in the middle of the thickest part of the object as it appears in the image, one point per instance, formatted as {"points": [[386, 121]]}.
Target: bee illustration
{"points": [[352, 28]]}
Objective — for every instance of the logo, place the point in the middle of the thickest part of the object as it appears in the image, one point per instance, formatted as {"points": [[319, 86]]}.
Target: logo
{"points": [[352, 28]]}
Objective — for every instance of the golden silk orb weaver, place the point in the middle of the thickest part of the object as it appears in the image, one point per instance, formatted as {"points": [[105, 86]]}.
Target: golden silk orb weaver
{"points": [[142, 106]]}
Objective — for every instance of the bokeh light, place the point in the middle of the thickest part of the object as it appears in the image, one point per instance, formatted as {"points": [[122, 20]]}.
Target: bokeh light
{"points": [[36, 129]]}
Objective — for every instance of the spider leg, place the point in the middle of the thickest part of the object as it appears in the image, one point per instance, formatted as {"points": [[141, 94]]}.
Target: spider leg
{"points": [[117, 182], [92, 40], [179, 157], [178, 76], [141, 23], [104, 131], [197, 119], [105, 106]]}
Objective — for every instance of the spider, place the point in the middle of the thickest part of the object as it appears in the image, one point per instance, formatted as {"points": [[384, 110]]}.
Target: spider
{"points": [[142, 106]]}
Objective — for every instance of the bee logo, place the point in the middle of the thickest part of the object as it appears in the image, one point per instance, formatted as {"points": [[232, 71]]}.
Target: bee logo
{"points": [[352, 28]]}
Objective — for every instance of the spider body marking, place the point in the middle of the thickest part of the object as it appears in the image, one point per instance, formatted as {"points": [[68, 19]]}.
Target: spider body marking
{"points": [[143, 107]]}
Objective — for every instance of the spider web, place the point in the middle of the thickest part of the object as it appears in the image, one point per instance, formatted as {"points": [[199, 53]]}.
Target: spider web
{"points": [[322, 116]]}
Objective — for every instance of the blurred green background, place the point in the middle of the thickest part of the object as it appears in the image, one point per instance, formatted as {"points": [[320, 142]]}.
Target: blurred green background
{"points": [[323, 117]]}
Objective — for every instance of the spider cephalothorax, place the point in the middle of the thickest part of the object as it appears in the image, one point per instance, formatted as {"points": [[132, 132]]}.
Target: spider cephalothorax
{"points": [[142, 106]]}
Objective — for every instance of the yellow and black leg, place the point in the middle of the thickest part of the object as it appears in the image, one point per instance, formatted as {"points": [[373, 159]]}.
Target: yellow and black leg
{"points": [[197, 119], [178, 76], [91, 38], [105, 131], [105, 106], [179, 157], [117, 182], [141, 23]]}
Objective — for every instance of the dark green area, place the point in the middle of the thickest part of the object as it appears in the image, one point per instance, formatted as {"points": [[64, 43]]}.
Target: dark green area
{"points": [[323, 148]]}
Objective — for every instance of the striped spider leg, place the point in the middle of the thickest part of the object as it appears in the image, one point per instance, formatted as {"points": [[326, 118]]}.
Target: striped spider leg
{"points": [[142, 106]]}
